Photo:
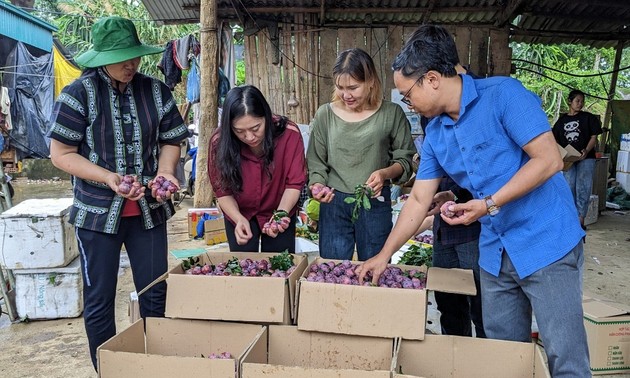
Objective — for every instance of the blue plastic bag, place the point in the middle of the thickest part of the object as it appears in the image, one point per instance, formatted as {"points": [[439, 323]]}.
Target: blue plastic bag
{"points": [[193, 84], [201, 224]]}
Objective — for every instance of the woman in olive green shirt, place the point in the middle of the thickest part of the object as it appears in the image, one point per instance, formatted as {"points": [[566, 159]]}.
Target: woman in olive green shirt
{"points": [[358, 138]]}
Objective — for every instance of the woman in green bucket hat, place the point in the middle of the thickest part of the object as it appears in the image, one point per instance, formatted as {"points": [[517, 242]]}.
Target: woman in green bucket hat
{"points": [[110, 123]]}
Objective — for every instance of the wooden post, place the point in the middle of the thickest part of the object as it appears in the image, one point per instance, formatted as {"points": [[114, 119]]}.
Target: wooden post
{"points": [[601, 145], [209, 102]]}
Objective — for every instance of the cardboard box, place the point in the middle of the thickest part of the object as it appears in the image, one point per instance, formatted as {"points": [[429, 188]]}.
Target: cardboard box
{"points": [[215, 237], [569, 155], [593, 210], [196, 214], [374, 311], [623, 161], [440, 356], [624, 144], [36, 234], [236, 298], [608, 331], [624, 180], [176, 348], [214, 231], [50, 293], [294, 353]]}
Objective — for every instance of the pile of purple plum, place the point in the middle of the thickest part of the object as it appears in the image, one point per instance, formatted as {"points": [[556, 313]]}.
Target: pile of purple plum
{"points": [[345, 273], [245, 267]]}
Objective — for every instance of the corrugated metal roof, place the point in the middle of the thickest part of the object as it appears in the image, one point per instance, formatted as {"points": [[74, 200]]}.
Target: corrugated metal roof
{"points": [[24, 27], [597, 23]]}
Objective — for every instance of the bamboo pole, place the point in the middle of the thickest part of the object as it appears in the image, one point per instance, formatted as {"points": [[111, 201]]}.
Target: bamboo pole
{"points": [[209, 103], [601, 145]]}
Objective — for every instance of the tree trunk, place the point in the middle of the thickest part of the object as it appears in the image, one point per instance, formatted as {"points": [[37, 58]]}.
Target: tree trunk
{"points": [[209, 102], [598, 57], [556, 114]]}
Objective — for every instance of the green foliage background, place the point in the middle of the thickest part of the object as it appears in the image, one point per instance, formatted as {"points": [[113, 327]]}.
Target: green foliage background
{"points": [[552, 71], [549, 71]]}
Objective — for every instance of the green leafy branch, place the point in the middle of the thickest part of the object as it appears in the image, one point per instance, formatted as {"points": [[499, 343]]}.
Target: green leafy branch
{"points": [[361, 198]]}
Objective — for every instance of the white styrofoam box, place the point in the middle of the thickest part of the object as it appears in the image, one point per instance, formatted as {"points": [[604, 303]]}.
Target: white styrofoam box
{"points": [[623, 161], [593, 210], [36, 233], [625, 142], [623, 179], [307, 247], [49, 293]]}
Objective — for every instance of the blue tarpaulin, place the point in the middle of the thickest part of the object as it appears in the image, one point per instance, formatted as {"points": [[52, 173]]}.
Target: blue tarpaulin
{"points": [[31, 91]]}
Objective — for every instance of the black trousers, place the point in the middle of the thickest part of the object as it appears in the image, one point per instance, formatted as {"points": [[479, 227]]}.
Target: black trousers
{"points": [[284, 241], [100, 258]]}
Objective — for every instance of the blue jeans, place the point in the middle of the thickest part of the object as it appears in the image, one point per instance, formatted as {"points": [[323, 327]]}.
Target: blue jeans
{"points": [[555, 295], [338, 235], [459, 310], [580, 180]]}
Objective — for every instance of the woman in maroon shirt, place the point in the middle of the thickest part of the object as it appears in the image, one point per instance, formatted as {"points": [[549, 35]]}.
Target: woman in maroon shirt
{"points": [[256, 167]]}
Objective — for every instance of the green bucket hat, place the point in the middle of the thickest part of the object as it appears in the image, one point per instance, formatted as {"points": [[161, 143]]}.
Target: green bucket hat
{"points": [[114, 40]]}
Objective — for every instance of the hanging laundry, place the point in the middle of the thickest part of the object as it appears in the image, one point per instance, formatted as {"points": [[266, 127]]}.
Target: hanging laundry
{"points": [[184, 49], [5, 108], [65, 72], [176, 57], [193, 83], [172, 73]]}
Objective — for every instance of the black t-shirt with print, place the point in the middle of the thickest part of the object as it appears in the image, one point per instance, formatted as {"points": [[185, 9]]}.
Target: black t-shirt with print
{"points": [[577, 130]]}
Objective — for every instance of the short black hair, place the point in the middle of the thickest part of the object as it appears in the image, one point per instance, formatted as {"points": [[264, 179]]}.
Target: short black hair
{"points": [[430, 47]]}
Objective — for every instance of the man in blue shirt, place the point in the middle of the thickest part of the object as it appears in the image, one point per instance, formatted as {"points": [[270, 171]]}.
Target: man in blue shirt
{"points": [[493, 139]]}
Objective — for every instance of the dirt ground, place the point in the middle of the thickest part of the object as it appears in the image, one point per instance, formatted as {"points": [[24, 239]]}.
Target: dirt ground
{"points": [[58, 348]]}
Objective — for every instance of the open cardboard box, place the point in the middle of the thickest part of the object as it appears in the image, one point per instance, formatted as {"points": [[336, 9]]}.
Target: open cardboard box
{"points": [[177, 347], [569, 155], [293, 353], [440, 356], [374, 311], [235, 298], [607, 326]]}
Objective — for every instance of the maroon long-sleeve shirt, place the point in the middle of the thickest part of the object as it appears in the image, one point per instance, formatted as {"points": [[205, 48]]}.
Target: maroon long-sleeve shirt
{"points": [[261, 194]]}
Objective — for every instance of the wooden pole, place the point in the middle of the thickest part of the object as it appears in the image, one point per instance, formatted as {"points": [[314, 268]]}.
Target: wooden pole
{"points": [[611, 96], [209, 102]]}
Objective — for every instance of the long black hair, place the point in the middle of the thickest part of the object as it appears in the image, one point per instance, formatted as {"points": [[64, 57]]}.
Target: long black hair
{"points": [[239, 102]]}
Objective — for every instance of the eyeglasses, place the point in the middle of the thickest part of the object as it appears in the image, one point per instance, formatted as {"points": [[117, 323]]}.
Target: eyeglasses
{"points": [[405, 98]]}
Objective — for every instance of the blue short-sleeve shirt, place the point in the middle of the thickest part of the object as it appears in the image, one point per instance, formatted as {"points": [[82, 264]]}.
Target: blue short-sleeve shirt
{"points": [[481, 152]]}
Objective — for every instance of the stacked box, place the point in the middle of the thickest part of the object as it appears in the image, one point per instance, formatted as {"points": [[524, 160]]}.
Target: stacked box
{"points": [[375, 311], [233, 298], [214, 231], [40, 246], [624, 144], [36, 234], [468, 357], [623, 161], [623, 167], [49, 293], [607, 326], [294, 353], [177, 347]]}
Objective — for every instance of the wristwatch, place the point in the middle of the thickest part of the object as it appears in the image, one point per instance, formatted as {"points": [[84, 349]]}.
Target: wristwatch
{"points": [[491, 207]]}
